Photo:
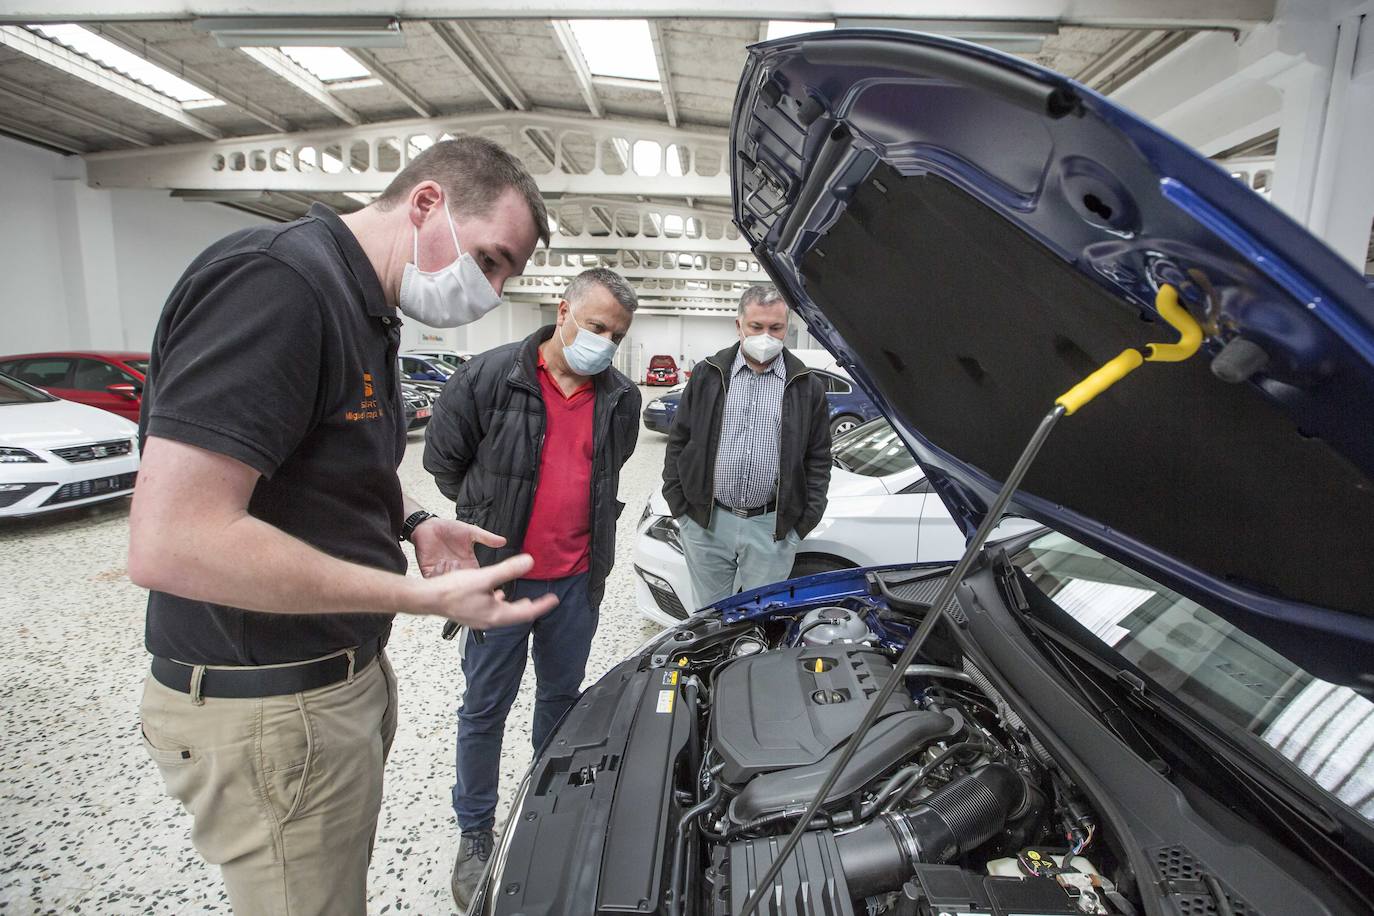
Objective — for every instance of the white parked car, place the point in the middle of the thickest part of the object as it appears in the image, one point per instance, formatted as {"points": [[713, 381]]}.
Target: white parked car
{"points": [[56, 454], [881, 511]]}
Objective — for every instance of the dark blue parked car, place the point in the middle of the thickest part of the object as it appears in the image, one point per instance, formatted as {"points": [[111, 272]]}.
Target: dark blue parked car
{"points": [[848, 406], [424, 368]]}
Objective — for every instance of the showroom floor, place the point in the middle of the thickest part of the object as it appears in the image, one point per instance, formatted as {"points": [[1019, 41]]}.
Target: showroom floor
{"points": [[85, 825]]}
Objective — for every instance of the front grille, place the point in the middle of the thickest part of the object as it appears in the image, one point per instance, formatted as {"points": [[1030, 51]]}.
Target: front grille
{"points": [[85, 489], [668, 602], [95, 451]]}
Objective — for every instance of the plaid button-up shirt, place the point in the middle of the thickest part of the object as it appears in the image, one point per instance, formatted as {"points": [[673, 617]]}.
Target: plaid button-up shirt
{"points": [[747, 462]]}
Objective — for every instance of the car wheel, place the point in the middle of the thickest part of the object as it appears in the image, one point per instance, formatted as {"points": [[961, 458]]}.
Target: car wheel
{"points": [[842, 424], [810, 565]]}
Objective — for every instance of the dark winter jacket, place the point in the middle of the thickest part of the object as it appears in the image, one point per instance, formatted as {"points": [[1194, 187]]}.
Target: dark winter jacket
{"points": [[689, 468], [484, 443]]}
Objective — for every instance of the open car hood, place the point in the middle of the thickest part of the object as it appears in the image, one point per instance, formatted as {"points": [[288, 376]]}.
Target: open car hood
{"points": [[972, 235]]}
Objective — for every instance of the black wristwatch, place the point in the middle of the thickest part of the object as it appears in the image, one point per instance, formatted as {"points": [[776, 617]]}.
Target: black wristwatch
{"points": [[414, 520]]}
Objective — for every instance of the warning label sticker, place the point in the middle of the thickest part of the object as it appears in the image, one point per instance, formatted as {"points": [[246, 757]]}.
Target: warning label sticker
{"points": [[670, 678], [665, 700]]}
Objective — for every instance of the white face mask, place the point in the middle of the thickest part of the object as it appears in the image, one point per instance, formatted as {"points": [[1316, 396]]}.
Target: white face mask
{"points": [[445, 298], [761, 348], [589, 353]]}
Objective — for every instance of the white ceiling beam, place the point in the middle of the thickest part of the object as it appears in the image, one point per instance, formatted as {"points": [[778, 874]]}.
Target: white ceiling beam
{"points": [[30, 131], [639, 272], [590, 244], [127, 39], [572, 55], [393, 82], [489, 65], [76, 113], [1113, 13], [54, 55], [665, 77], [303, 80], [1213, 92], [243, 162], [450, 43]]}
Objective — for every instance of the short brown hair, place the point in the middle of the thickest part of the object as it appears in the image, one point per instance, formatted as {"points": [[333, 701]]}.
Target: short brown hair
{"points": [[474, 172]]}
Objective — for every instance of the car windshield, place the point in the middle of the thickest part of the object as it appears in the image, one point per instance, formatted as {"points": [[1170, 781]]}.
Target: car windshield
{"points": [[138, 365], [1224, 674], [873, 450], [13, 391]]}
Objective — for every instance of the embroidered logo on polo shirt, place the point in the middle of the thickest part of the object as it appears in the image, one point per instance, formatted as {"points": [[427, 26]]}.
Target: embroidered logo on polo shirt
{"points": [[369, 408]]}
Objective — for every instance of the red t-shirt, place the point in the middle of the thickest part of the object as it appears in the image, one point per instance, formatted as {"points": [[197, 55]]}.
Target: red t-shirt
{"points": [[559, 534]]}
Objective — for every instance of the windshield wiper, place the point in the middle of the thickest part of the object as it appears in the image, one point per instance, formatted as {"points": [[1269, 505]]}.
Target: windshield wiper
{"points": [[839, 463]]}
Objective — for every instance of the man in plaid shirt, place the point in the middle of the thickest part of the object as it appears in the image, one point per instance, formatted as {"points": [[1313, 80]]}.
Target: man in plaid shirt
{"points": [[748, 459]]}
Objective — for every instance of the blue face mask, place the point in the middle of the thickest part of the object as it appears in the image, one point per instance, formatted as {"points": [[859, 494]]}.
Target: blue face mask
{"points": [[588, 354]]}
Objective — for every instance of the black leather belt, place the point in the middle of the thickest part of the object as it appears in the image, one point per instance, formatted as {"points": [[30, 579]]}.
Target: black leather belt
{"points": [[749, 513], [249, 683]]}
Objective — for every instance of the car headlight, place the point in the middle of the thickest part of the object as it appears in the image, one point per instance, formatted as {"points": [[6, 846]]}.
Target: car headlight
{"points": [[10, 455], [666, 530]]}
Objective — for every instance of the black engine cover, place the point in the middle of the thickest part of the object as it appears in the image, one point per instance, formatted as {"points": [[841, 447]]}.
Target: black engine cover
{"points": [[791, 707]]}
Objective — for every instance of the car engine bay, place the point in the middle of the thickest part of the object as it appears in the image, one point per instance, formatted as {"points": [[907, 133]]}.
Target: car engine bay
{"points": [[948, 805]]}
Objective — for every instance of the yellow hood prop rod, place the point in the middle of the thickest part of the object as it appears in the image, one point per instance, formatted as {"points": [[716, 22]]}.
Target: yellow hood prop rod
{"points": [[1070, 402]]}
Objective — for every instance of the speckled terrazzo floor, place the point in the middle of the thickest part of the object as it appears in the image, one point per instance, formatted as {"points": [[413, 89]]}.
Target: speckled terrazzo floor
{"points": [[84, 826]]}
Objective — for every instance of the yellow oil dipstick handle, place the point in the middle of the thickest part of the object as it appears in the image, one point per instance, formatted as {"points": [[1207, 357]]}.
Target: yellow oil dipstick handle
{"points": [[1189, 339]]}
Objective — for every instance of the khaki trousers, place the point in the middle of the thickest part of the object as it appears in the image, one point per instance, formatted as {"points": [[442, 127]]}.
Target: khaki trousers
{"points": [[284, 792]]}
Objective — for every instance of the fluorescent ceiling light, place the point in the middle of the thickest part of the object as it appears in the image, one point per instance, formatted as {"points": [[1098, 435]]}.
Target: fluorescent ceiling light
{"points": [[305, 31], [220, 196], [786, 28], [327, 64], [1013, 36], [617, 47], [113, 57]]}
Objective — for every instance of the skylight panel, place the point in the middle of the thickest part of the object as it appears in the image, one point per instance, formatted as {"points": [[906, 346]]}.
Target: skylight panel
{"points": [[618, 48], [328, 65], [113, 57], [786, 28]]}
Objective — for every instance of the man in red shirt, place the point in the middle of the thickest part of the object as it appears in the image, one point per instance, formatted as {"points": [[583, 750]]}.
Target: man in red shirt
{"points": [[528, 441]]}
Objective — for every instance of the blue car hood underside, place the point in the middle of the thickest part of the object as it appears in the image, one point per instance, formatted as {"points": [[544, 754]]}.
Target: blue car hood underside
{"points": [[972, 235]]}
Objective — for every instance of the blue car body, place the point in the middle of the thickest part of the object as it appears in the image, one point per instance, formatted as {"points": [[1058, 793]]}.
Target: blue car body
{"points": [[846, 401], [972, 236], [970, 264]]}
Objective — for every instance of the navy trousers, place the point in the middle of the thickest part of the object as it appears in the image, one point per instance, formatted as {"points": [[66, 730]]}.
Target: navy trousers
{"points": [[493, 669]]}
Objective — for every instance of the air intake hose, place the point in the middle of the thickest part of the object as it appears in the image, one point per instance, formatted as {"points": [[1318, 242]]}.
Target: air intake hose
{"points": [[952, 821]]}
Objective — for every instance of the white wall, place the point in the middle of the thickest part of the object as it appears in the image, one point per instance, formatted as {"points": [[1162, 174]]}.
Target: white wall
{"points": [[88, 268], [155, 238], [688, 339], [33, 295], [91, 269]]}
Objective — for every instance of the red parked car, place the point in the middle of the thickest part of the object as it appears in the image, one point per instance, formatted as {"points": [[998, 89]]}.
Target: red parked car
{"points": [[662, 371], [109, 380]]}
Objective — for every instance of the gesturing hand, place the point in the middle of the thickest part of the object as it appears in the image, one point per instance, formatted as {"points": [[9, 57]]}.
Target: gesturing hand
{"points": [[471, 596], [443, 545]]}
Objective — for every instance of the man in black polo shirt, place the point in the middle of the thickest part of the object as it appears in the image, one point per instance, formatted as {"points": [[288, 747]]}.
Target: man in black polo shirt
{"points": [[268, 513]]}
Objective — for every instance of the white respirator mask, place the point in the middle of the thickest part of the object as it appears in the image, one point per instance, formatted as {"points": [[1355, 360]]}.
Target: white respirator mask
{"points": [[761, 348], [445, 298]]}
